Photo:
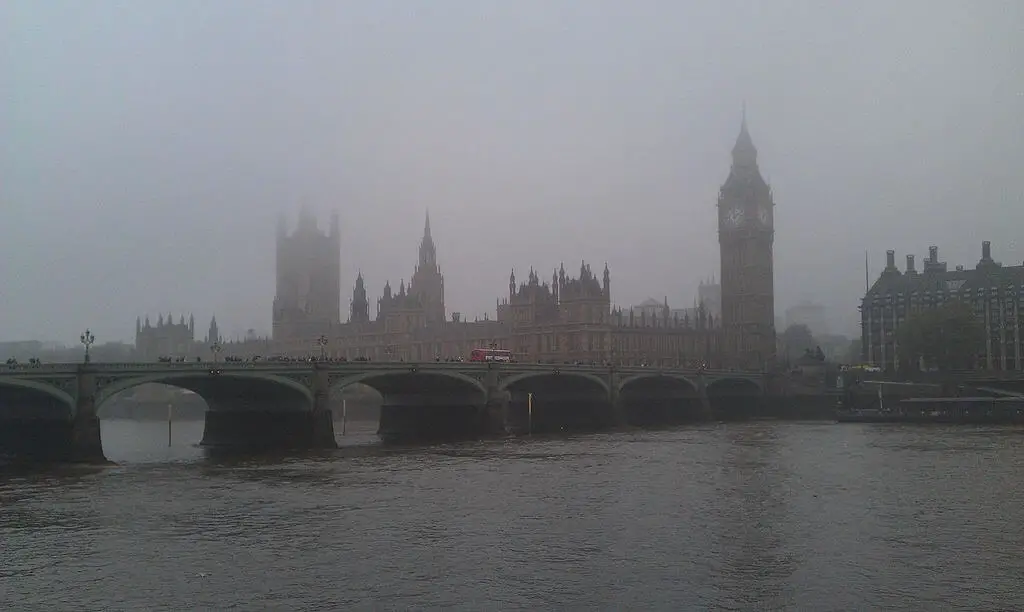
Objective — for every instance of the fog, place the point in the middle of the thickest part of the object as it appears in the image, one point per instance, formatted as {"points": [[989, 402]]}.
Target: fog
{"points": [[147, 148]]}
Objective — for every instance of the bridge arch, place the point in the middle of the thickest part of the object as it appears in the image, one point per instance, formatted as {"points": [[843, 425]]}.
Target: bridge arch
{"points": [[201, 383], [735, 397], [511, 381], [679, 379], [41, 387], [733, 385], [660, 399], [420, 402], [380, 377]]}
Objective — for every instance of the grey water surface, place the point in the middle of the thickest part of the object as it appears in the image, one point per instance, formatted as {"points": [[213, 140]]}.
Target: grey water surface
{"points": [[763, 515]]}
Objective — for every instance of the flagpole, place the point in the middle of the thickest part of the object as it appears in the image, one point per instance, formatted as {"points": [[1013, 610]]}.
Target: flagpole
{"points": [[867, 281]]}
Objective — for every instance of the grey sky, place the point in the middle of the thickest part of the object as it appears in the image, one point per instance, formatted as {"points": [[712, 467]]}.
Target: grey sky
{"points": [[147, 147]]}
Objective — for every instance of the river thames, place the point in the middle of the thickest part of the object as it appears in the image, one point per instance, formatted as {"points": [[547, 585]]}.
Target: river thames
{"points": [[795, 516]]}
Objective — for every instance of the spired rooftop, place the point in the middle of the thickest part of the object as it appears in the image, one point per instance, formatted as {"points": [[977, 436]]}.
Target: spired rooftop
{"points": [[51, 410]]}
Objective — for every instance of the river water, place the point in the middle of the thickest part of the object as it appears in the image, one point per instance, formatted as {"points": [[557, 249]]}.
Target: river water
{"points": [[802, 516]]}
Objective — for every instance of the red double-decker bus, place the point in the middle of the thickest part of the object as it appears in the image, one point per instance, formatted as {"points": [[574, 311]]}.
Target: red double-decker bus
{"points": [[483, 354]]}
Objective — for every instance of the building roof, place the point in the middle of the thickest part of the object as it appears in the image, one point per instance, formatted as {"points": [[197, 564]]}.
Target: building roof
{"points": [[937, 278]]}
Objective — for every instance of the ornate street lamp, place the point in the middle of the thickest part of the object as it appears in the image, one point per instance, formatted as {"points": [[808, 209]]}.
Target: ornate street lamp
{"points": [[215, 348], [87, 339], [322, 341]]}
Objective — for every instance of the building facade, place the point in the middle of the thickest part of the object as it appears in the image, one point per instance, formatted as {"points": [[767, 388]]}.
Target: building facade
{"points": [[995, 292], [746, 236]]}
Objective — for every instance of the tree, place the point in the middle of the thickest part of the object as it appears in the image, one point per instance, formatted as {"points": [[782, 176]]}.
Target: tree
{"points": [[948, 337], [796, 340]]}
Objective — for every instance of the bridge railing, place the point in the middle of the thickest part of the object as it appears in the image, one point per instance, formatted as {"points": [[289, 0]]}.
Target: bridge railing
{"points": [[46, 368], [269, 366]]}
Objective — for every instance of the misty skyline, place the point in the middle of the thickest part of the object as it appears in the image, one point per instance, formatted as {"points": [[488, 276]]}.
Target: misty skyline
{"points": [[150, 146]]}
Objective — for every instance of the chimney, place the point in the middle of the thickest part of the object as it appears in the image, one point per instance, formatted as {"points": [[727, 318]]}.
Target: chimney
{"points": [[890, 259], [910, 264], [933, 254], [986, 250]]}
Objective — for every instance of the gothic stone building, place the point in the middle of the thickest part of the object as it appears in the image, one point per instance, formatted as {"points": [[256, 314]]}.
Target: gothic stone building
{"points": [[170, 339], [570, 319], [994, 291], [745, 236], [410, 324]]}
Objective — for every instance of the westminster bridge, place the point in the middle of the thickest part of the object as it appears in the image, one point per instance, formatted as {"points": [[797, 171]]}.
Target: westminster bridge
{"points": [[282, 404]]}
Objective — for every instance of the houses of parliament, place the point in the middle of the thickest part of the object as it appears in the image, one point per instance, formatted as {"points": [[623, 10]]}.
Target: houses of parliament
{"points": [[567, 316]]}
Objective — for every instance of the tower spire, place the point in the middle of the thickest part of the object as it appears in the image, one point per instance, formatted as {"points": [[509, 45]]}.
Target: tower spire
{"points": [[744, 153], [428, 252]]}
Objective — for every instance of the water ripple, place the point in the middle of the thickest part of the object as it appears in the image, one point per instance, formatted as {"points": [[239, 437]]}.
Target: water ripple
{"points": [[731, 517]]}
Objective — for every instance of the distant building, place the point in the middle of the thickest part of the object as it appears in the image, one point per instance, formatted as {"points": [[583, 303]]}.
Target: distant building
{"points": [[709, 293], [653, 308], [308, 296], [174, 340], [995, 291], [810, 314], [21, 349], [166, 338]]}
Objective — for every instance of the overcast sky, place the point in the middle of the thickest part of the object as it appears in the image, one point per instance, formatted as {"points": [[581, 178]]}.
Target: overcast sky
{"points": [[147, 147]]}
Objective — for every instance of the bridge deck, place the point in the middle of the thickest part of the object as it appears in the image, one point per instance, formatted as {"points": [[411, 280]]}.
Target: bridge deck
{"points": [[353, 366]]}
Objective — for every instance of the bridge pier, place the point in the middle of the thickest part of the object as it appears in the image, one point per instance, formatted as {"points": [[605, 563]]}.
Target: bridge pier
{"points": [[555, 412], [707, 411], [280, 421], [322, 419], [738, 406], [266, 430], [86, 444], [422, 417], [497, 416]]}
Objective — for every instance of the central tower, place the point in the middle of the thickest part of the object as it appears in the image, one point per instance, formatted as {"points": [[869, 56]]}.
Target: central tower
{"points": [[427, 282], [745, 236], [308, 297]]}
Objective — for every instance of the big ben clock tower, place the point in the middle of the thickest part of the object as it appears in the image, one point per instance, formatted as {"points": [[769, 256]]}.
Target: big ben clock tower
{"points": [[745, 237]]}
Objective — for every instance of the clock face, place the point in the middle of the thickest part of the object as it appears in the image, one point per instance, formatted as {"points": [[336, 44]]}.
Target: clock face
{"points": [[763, 215], [734, 216]]}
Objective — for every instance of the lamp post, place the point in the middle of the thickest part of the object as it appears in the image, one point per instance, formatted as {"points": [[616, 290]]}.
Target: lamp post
{"points": [[87, 339], [215, 348], [322, 341]]}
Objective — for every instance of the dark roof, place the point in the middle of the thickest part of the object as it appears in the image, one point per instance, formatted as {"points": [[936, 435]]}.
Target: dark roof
{"points": [[988, 275]]}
